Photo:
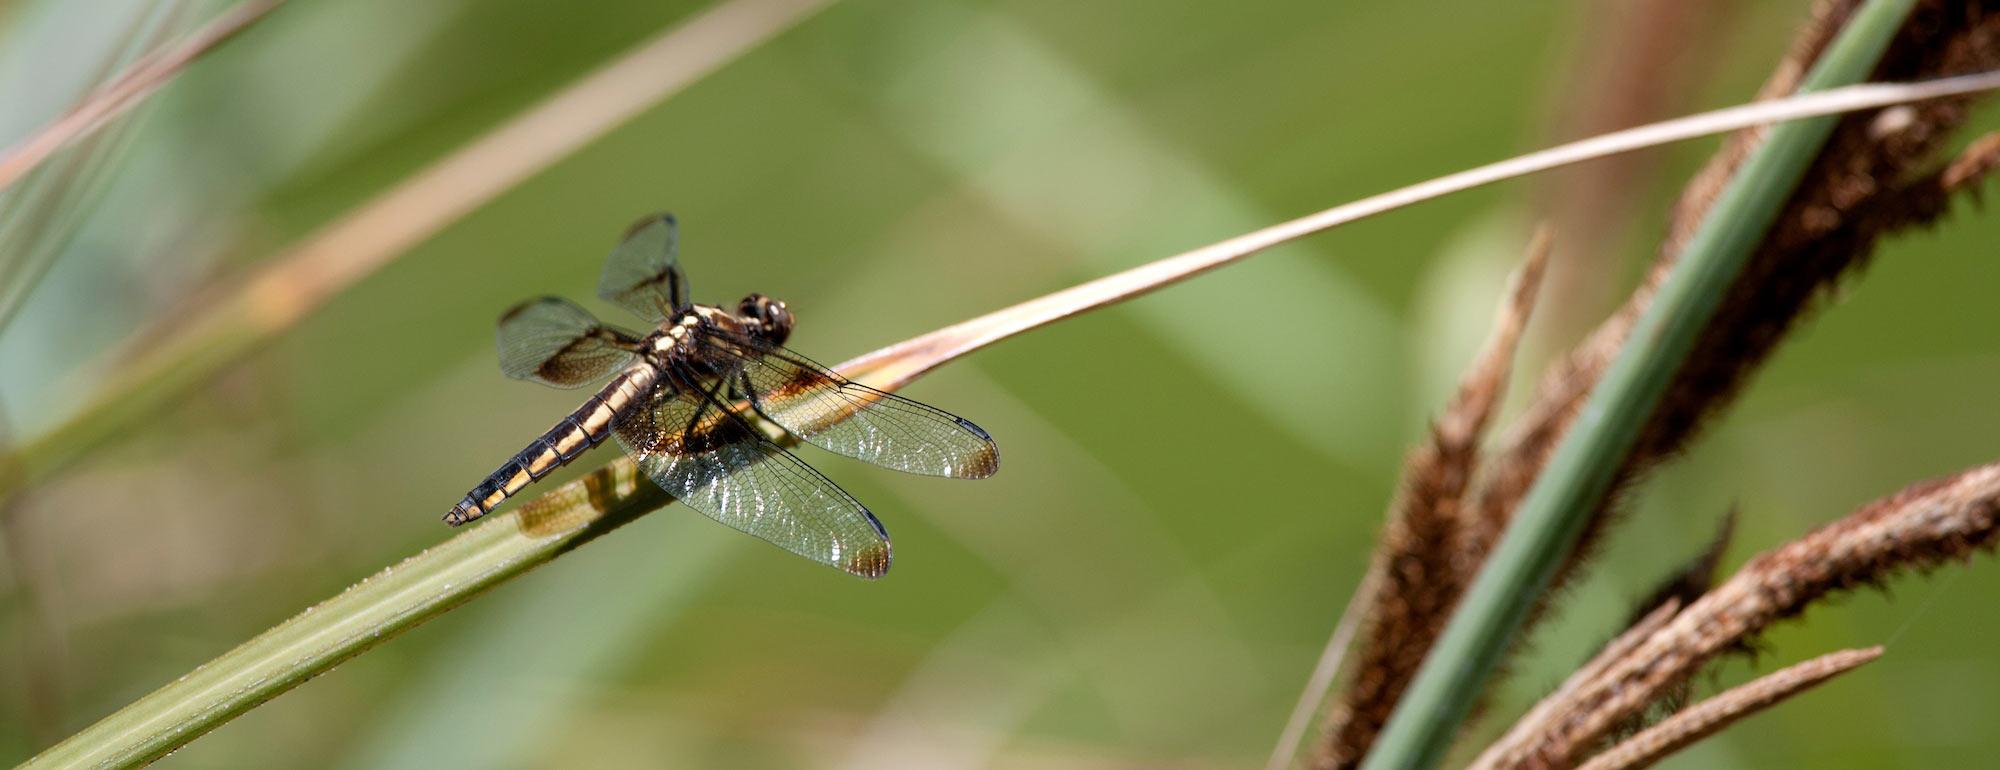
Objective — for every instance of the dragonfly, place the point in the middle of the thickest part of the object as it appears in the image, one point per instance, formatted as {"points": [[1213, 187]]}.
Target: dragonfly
{"points": [[687, 400]]}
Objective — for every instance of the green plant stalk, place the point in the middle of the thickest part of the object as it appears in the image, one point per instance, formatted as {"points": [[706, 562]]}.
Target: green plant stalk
{"points": [[1577, 477], [179, 365], [368, 613]]}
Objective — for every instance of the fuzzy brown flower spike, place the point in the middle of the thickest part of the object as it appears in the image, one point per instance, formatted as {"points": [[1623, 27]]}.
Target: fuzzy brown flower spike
{"points": [[1916, 529], [1713, 715], [1868, 181], [1545, 713], [1413, 583]]}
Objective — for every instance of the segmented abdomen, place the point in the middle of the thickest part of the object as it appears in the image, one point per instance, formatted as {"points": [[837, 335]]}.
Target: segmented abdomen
{"points": [[584, 428]]}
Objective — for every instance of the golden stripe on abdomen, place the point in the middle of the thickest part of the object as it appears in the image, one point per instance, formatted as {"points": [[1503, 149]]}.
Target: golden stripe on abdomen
{"points": [[587, 427]]}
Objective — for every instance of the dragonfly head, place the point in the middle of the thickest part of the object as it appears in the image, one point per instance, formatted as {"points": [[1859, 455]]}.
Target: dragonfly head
{"points": [[770, 320]]}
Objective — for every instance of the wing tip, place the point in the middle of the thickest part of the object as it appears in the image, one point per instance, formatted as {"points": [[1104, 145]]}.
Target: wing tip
{"points": [[870, 563], [987, 461], [649, 220], [987, 464]]}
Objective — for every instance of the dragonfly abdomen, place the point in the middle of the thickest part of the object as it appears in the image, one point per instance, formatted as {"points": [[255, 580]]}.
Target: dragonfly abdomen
{"points": [[584, 428]]}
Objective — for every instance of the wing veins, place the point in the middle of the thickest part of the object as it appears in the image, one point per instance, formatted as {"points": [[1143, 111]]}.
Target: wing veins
{"points": [[750, 483], [822, 408]]}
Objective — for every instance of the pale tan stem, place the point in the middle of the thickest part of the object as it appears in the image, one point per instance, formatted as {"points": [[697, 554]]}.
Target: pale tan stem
{"points": [[1118, 287], [127, 90]]}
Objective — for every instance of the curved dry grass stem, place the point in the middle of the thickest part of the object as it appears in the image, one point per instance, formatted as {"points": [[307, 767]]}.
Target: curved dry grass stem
{"points": [[993, 327], [127, 90], [1715, 714]]}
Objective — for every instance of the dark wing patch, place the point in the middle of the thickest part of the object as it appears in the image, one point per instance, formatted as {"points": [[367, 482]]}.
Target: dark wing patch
{"points": [[713, 461], [552, 341], [844, 417], [643, 274]]}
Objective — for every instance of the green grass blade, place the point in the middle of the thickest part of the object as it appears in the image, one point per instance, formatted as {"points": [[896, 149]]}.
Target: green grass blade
{"points": [[537, 651], [1578, 475], [370, 612]]}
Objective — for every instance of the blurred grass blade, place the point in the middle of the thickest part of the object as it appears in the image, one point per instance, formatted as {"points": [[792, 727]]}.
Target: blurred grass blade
{"points": [[39, 218], [968, 697], [343, 252], [37, 222], [1319, 685], [509, 544], [129, 89], [378, 608], [531, 656], [1579, 473]]}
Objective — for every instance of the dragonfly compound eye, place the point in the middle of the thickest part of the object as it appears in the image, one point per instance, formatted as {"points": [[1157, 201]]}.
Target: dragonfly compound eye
{"points": [[773, 319]]}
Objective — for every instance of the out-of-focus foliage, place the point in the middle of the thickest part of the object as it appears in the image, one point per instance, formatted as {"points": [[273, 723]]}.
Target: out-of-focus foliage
{"points": [[1192, 482]]}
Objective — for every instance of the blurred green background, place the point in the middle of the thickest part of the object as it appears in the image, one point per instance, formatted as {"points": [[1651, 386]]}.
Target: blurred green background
{"points": [[1192, 481]]}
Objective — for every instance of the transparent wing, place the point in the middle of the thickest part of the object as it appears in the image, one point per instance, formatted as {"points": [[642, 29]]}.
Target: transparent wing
{"points": [[643, 274], [713, 461], [844, 417], [552, 341]]}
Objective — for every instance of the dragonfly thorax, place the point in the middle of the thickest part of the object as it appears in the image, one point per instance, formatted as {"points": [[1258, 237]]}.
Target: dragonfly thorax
{"points": [[686, 336]]}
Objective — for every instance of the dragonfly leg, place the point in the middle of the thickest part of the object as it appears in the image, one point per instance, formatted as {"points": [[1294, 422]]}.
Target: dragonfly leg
{"points": [[757, 404]]}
